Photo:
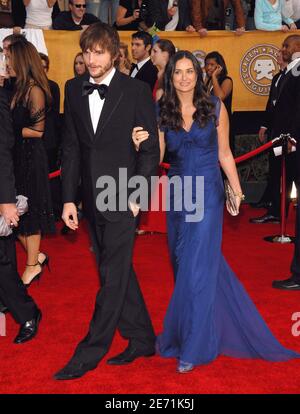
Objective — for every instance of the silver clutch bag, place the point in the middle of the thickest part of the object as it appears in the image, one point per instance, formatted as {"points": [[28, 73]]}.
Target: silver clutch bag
{"points": [[231, 204], [22, 207]]}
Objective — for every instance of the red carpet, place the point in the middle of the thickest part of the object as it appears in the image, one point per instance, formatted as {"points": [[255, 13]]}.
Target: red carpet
{"points": [[66, 297]]}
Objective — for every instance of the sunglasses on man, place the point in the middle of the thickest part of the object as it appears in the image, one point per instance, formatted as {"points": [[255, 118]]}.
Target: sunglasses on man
{"points": [[78, 6]]}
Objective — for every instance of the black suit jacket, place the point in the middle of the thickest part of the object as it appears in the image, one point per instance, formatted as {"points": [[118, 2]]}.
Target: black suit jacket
{"points": [[92, 156], [7, 180], [285, 118], [268, 115], [147, 73], [159, 13]]}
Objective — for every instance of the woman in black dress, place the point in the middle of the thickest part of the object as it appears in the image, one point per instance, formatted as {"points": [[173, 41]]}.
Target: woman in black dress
{"points": [[219, 84], [30, 99]]}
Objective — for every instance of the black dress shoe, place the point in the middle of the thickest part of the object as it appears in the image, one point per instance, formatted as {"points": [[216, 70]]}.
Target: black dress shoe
{"points": [[288, 284], [129, 355], [74, 369], [266, 218], [29, 329]]}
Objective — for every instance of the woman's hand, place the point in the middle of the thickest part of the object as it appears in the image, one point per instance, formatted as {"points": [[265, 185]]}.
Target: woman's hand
{"points": [[284, 28], [138, 136], [190, 29], [293, 27], [217, 71]]}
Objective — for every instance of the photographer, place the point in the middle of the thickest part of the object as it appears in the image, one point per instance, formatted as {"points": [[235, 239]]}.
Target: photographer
{"points": [[171, 15], [133, 15]]}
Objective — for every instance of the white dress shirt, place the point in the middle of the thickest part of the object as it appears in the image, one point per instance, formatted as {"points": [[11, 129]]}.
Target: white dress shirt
{"points": [[139, 65], [175, 19], [95, 102]]}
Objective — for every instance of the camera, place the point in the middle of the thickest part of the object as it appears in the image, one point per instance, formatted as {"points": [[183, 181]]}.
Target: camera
{"points": [[144, 11]]}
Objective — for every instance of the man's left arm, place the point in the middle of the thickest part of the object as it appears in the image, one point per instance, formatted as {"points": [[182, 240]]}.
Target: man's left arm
{"points": [[295, 130], [148, 155]]}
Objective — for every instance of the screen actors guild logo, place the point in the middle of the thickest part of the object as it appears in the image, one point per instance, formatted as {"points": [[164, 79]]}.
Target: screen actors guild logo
{"points": [[200, 56], [258, 66]]}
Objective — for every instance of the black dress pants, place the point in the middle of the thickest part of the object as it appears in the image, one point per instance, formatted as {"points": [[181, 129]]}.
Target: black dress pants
{"points": [[12, 291], [119, 302]]}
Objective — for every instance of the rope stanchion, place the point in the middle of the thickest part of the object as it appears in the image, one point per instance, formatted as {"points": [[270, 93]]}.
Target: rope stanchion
{"points": [[283, 238]]}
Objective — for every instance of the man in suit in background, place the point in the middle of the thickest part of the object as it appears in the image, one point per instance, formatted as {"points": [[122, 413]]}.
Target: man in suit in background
{"points": [[13, 294], [280, 118], [101, 110], [289, 104], [143, 69]]}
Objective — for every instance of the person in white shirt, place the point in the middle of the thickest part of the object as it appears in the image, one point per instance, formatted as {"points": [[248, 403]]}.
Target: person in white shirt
{"points": [[39, 14], [291, 9]]}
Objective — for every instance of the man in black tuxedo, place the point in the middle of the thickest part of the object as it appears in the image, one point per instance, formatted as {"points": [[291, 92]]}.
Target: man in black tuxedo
{"points": [[101, 110], [13, 294], [290, 50], [143, 69], [280, 116]]}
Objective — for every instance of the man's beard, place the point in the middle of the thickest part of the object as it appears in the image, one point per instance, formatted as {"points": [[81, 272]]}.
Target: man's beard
{"points": [[101, 72]]}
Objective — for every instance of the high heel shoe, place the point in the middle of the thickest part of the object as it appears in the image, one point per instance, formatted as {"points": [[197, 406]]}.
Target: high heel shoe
{"points": [[45, 262], [35, 277], [184, 367]]}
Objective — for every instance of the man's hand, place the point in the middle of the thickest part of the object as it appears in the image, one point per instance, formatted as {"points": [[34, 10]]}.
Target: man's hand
{"points": [[262, 134], [240, 31], [202, 32], [69, 216], [172, 11], [10, 214], [285, 28], [190, 29], [2, 79], [17, 30], [134, 208]]}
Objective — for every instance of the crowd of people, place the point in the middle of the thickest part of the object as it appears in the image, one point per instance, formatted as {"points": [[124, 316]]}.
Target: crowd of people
{"points": [[166, 15], [162, 102]]}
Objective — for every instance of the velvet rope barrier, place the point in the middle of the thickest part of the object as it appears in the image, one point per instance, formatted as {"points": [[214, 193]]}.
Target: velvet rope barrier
{"points": [[243, 157], [237, 160]]}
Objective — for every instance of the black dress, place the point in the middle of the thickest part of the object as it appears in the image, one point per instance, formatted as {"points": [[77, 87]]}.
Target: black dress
{"points": [[31, 165]]}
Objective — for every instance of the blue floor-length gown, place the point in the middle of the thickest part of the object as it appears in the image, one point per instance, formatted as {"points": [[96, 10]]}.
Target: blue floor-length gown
{"points": [[210, 313]]}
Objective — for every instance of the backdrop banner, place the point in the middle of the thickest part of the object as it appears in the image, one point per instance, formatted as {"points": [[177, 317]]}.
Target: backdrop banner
{"points": [[250, 59]]}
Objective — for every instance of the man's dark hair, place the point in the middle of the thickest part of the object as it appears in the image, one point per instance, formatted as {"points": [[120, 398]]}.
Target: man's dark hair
{"points": [[101, 34], [145, 37]]}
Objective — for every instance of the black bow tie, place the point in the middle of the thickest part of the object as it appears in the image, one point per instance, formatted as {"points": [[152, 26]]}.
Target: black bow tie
{"points": [[88, 88], [134, 66]]}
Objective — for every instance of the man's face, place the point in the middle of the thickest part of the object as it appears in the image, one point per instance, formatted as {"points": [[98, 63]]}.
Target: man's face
{"points": [[288, 49], [138, 50], [98, 62], [77, 8], [5, 47]]}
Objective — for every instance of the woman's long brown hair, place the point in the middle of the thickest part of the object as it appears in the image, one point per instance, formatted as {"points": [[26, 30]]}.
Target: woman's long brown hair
{"points": [[28, 67]]}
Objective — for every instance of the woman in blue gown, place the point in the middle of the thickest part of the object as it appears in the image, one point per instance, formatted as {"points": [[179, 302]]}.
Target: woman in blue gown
{"points": [[210, 313]]}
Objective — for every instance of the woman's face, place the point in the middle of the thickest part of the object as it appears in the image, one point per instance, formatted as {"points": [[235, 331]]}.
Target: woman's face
{"points": [[158, 57], [79, 65], [185, 76], [210, 66], [9, 64]]}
